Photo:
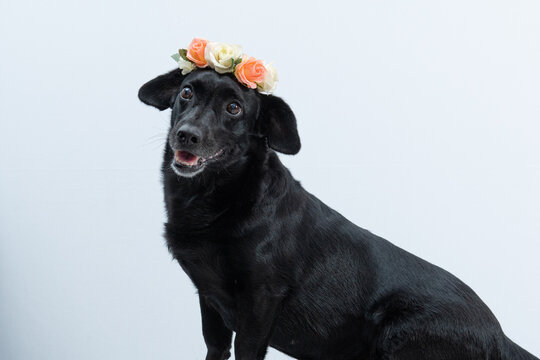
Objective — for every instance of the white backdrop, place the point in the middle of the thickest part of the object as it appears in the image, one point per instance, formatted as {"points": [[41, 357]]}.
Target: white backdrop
{"points": [[419, 121]]}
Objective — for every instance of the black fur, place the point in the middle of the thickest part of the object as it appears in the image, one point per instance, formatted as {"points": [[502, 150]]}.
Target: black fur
{"points": [[275, 265]]}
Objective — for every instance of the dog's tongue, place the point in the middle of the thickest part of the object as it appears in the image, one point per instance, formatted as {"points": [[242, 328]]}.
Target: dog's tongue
{"points": [[186, 158]]}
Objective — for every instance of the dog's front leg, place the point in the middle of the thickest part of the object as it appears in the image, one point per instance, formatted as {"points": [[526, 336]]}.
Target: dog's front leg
{"points": [[216, 335], [256, 316]]}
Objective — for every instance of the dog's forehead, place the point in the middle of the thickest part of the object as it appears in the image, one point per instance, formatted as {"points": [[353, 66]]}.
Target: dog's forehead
{"points": [[213, 82]]}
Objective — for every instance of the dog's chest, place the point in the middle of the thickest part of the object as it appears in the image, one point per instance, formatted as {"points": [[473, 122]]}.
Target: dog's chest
{"points": [[208, 269], [212, 271], [216, 284], [200, 237]]}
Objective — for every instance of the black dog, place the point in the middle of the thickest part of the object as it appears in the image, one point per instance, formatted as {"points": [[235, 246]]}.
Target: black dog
{"points": [[274, 264]]}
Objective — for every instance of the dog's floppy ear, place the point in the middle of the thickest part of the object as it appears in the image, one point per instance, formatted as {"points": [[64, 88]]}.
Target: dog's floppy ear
{"points": [[160, 91], [278, 124]]}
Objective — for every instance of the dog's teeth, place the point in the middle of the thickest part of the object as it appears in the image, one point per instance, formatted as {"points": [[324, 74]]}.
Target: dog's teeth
{"points": [[216, 154]]}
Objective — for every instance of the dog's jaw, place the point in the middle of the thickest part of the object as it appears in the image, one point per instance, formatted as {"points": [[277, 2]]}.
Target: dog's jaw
{"points": [[190, 174], [188, 165]]}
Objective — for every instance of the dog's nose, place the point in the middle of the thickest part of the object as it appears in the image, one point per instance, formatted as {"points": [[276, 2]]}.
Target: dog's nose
{"points": [[188, 135]]}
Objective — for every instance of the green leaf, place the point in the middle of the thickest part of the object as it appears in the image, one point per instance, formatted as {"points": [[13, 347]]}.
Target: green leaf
{"points": [[236, 62], [176, 57], [183, 54]]}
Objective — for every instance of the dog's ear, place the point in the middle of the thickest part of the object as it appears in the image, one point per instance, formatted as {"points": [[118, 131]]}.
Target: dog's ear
{"points": [[278, 124], [159, 92]]}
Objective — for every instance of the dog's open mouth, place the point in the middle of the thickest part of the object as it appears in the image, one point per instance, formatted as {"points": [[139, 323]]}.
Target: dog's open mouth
{"points": [[185, 158]]}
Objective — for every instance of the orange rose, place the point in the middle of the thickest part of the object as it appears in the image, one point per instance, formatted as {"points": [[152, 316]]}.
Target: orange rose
{"points": [[250, 71], [195, 52]]}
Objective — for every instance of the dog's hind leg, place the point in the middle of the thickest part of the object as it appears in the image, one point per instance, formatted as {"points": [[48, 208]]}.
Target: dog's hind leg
{"points": [[432, 352], [412, 345]]}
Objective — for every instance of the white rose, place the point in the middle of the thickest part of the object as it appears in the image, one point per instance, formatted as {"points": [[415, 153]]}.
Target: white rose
{"points": [[186, 66], [220, 56], [268, 85]]}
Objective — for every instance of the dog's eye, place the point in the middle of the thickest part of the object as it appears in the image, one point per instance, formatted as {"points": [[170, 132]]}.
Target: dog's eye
{"points": [[186, 93], [234, 108]]}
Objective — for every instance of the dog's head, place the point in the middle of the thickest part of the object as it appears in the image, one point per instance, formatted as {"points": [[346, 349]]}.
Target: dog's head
{"points": [[215, 119]]}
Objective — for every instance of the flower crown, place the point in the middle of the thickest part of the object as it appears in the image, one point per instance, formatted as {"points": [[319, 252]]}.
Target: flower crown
{"points": [[227, 58]]}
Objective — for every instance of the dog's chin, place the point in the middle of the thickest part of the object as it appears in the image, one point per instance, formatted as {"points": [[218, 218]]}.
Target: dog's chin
{"points": [[188, 164]]}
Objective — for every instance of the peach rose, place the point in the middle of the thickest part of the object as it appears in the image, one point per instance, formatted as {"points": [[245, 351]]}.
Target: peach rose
{"points": [[250, 72], [195, 52]]}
